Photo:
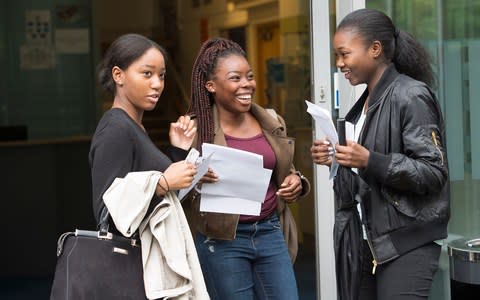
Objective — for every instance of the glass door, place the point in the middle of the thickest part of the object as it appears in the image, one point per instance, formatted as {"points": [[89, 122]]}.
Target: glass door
{"points": [[322, 95], [450, 29], [324, 17]]}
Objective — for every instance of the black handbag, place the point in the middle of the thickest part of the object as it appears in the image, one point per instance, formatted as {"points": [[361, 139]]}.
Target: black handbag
{"points": [[98, 265]]}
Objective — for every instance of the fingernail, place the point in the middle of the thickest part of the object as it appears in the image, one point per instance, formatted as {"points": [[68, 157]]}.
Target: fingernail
{"points": [[326, 142]]}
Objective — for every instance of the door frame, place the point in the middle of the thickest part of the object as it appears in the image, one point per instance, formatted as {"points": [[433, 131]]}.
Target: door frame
{"points": [[321, 87]]}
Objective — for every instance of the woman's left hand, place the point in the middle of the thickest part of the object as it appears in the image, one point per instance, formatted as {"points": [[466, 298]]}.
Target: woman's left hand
{"points": [[352, 155], [182, 132], [290, 188], [209, 177]]}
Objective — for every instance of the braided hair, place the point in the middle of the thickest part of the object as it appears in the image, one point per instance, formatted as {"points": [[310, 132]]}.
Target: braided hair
{"points": [[204, 70]]}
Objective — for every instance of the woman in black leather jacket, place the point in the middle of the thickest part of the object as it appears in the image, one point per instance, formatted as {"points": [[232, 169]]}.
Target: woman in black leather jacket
{"points": [[398, 151]]}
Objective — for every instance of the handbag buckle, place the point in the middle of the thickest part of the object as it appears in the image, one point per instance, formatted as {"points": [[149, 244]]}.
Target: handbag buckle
{"points": [[106, 236]]}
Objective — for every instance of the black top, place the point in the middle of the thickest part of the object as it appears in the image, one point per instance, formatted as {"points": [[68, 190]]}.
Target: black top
{"points": [[120, 146]]}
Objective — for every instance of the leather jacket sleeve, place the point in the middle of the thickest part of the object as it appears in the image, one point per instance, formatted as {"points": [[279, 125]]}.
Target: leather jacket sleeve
{"points": [[421, 167]]}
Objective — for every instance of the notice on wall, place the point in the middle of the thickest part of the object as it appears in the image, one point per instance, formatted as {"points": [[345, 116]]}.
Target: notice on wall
{"points": [[38, 27], [72, 41], [37, 52], [37, 57]]}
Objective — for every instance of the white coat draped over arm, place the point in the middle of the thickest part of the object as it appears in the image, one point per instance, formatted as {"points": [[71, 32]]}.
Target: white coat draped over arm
{"points": [[171, 269]]}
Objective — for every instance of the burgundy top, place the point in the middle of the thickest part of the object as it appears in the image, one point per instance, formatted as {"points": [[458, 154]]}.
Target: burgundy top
{"points": [[259, 145]]}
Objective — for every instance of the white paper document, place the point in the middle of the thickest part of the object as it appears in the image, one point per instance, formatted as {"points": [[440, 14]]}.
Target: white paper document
{"points": [[242, 184], [323, 119], [202, 168]]}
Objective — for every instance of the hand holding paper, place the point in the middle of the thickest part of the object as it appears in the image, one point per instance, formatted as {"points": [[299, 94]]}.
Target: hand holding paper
{"points": [[242, 183], [324, 121], [202, 168]]}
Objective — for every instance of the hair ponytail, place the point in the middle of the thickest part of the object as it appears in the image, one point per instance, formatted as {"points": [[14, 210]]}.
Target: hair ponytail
{"points": [[412, 59]]}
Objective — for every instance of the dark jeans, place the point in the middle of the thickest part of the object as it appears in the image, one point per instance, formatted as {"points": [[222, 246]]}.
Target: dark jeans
{"points": [[407, 277], [255, 265]]}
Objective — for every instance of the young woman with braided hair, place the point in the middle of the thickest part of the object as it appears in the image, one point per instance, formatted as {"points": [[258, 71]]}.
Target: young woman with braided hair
{"points": [[244, 257]]}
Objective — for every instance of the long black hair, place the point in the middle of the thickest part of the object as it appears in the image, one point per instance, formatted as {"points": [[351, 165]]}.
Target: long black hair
{"points": [[122, 53], [399, 47]]}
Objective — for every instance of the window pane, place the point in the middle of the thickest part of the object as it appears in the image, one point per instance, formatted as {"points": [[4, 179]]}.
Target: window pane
{"points": [[450, 29]]}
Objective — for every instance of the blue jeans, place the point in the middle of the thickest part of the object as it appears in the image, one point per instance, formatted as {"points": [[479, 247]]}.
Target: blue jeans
{"points": [[255, 265]]}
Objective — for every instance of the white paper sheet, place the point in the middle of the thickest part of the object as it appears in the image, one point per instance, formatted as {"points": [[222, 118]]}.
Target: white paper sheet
{"points": [[242, 180], [323, 119], [220, 204], [202, 168]]}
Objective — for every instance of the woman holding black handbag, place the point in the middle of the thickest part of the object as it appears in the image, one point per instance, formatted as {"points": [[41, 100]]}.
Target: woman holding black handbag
{"points": [[133, 71]]}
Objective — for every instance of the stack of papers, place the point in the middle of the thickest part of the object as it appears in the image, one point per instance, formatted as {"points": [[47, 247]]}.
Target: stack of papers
{"points": [[242, 184]]}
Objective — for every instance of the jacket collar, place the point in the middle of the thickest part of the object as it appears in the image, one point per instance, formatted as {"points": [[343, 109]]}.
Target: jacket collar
{"points": [[268, 121], [388, 76]]}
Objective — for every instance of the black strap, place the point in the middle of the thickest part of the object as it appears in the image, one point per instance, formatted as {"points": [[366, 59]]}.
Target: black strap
{"points": [[103, 223]]}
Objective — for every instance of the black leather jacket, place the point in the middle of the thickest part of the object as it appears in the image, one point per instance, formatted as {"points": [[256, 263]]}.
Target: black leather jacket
{"points": [[407, 171]]}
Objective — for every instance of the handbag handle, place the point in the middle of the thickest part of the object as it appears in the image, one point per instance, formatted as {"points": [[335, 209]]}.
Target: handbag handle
{"points": [[103, 225], [103, 222]]}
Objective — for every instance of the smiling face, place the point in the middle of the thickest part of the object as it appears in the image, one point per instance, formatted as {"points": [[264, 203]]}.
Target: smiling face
{"points": [[233, 84], [139, 86], [357, 60]]}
